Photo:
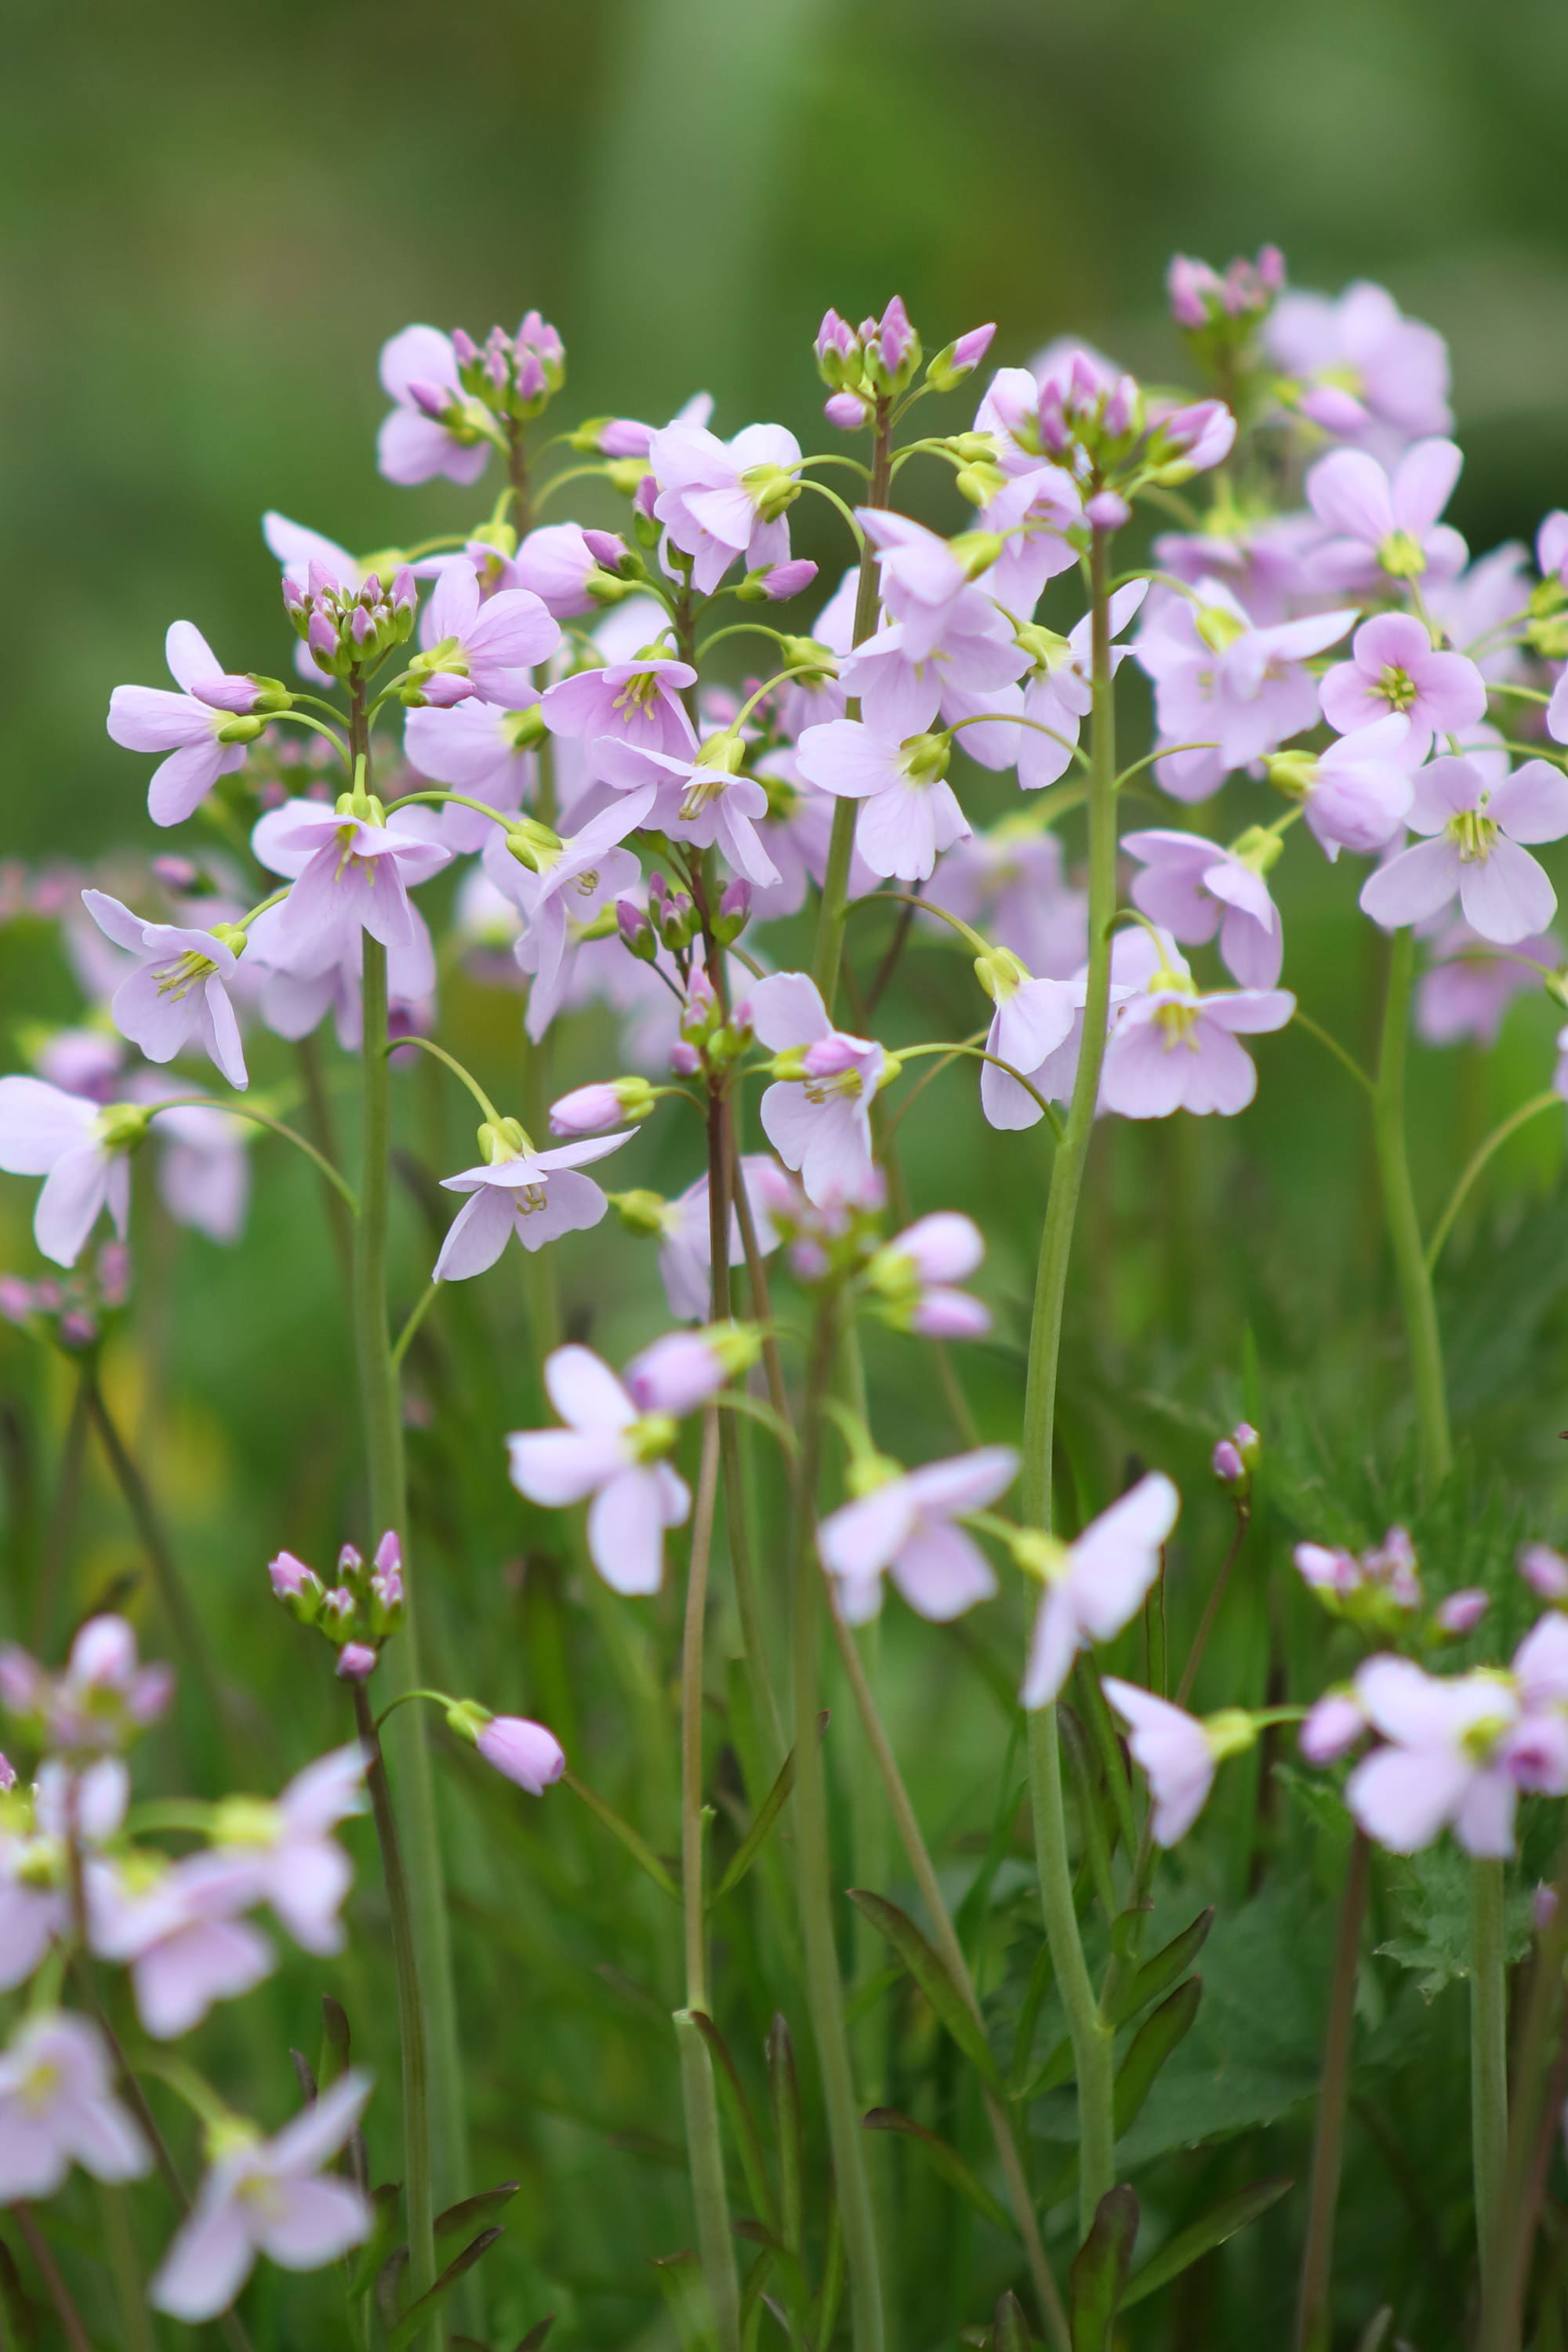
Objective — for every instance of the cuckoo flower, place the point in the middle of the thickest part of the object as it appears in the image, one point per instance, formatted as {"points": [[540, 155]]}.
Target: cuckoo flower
{"points": [[1355, 794], [481, 749], [352, 873], [911, 814], [522, 1750], [971, 673], [1056, 694], [1222, 679], [1383, 524], [1395, 667], [906, 1529], [1032, 1019], [204, 729], [912, 1278], [1445, 1757], [481, 646], [1474, 849], [1008, 881], [57, 2108], [704, 800], [81, 1152], [817, 1117], [101, 1699], [1193, 889], [1175, 1048], [1031, 515], [565, 566], [685, 1258], [181, 1933], [176, 997], [535, 1195], [297, 1866], [610, 1455], [1370, 375], [721, 500], [1466, 990], [631, 702], [271, 2197], [1179, 1753], [567, 884], [434, 426], [1095, 1585]]}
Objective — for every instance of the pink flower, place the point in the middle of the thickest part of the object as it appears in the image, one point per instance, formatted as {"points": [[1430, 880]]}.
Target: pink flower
{"points": [[1057, 693], [559, 563], [205, 727], [569, 881], [1370, 374], [914, 1275], [1355, 794], [719, 499], [911, 814], [481, 749], [485, 646], [609, 1456], [1222, 678], [1009, 883], [1095, 1585], [56, 2109], [970, 674], [434, 426], [905, 1528], [1544, 1570], [101, 1700], [181, 1935], [1466, 990], [535, 1195], [1034, 514], [524, 1751], [682, 1370], [1395, 667], [297, 1867], [1476, 850], [685, 1262], [1178, 1753], [1332, 1727], [1172, 1048], [1032, 1019], [1379, 524], [1193, 889], [817, 1117], [175, 998], [79, 1149], [269, 2197], [634, 703], [350, 873], [926, 581], [704, 801], [1446, 1759]]}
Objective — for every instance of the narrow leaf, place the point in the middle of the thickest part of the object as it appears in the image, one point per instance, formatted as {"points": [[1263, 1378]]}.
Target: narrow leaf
{"points": [[473, 2213], [1098, 2275], [681, 2283], [387, 2202], [742, 2123], [752, 1844], [335, 2042], [1156, 1976], [783, 2085], [1057, 2068], [418, 2314], [641, 1852], [1041, 1977], [536, 2335], [303, 2076], [1009, 2328], [1375, 2334], [930, 1973], [1190, 2245], [943, 2160], [1151, 2045]]}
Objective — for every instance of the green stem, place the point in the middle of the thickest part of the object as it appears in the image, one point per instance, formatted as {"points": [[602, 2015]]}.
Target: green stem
{"points": [[1312, 2308], [1515, 2218], [1092, 2040], [829, 946], [129, 2291], [1489, 2054], [1477, 1162], [72, 2333], [1433, 1446], [824, 1985]]}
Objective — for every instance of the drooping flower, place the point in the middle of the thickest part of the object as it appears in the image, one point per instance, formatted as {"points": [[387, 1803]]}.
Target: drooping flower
{"points": [[704, 800], [610, 1455], [914, 1277], [1225, 682], [569, 881], [523, 1750], [1095, 1585], [82, 1151], [818, 1114], [1032, 1019], [1193, 889], [298, 1867], [905, 1528], [205, 727], [536, 1196], [1056, 691], [1173, 1047], [634, 703], [1395, 667], [1475, 832], [57, 2108], [270, 2196], [181, 1933], [176, 997], [1179, 1753]]}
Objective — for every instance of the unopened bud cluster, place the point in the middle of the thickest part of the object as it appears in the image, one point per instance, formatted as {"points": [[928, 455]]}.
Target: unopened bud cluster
{"points": [[357, 1612], [350, 631]]}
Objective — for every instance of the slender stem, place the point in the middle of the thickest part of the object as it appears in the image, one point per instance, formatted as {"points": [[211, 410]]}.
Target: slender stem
{"points": [[1489, 2055], [824, 1985], [1312, 2308], [318, 1116], [418, 2187], [1434, 1449], [75, 2334], [1092, 2040], [1215, 1599], [705, 2152], [829, 945], [128, 2289], [63, 1510], [275, 1126], [1477, 1162], [1501, 2314], [1347, 1061], [417, 1315]]}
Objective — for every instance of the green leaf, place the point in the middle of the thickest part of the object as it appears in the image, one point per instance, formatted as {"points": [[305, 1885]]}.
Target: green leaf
{"points": [[1151, 2045], [686, 2292], [336, 2046], [642, 1854], [1009, 2328], [783, 2085], [742, 2123], [1099, 2273], [418, 2314], [930, 1974], [1041, 1978], [943, 2160], [1189, 2246], [1318, 1802], [1374, 2334], [386, 2204], [473, 2213], [1433, 1891], [1152, 1979], [535, 2339], [752, 1844], [1057, 2068]]}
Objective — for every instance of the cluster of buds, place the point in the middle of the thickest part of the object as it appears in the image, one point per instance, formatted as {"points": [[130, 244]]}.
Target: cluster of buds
{"points": [[1379, 1590], [69, 1310], [99, 1702], [358, 1612], [1101, 430], [911, 1279], [513, 376], [711, 1041], [1234, 1461], [350, 630], [865, 366], [1221, 317]]}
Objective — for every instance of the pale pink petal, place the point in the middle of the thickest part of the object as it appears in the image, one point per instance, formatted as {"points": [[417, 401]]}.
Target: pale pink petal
{"points": [[1532, 805], [1505, 895], [1412, 885], [207, 2265], [313, 2223], [787, 1009], [585, 1392], [74, 1193], [626, 1532], [1052, 1645]]}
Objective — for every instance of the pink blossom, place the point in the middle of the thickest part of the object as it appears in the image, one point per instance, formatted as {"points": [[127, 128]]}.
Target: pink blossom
{"points": [[78, 1148], [1356, 794], [721, 500], [970, 674], [524, 1751], [536, 1196], [1032, 1019], [479, 748], [350, 873], [1370, 374], [1445, 1759], [1173, 1047], [914, 1277], [1383, 524], [1332, 1727], [1221, 678], [1395, 667], [571, 880], [704, 801], [684, 1370], [1096, 1585], [633, 702], [57, 2108], [176, 997], [1032, 514], [817, 1117], [1009, 882], [481, 646], [1193, 889], [181, 1934], [561, 565], [1176, 1752], [203, 1166], [434, 427], [1475, 832], [1466, 990], [270, 2196], [685, 1256], [911, 814], [906, 1529], [204, 729], [357, 1662], [1462, 1611], [609, 1456], [1544, 1570], [297, 1866], [926, 582], [104, 1696], [1057, 693]]}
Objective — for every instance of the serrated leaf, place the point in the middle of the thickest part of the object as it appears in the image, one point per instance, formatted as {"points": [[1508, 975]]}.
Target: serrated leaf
{"points": [[930, 1973], [1163, 1970], [1153, 2044], [1099, 2273], [943, 2160], [1190, 2245], [1318, 1802], [420, 2315], [637, 1846], [1433, 1892], [473, 2213]]}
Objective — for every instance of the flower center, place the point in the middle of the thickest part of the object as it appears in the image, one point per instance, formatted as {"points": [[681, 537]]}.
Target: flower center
{"points": [[178, 979], [924, 758], [1474, 835], [652, 1435], [1397, 688], [39, 2086], [844, 1084], [1217, 628], [1401, 556]]}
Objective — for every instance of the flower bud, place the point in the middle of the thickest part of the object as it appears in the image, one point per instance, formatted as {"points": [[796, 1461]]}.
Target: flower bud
{"points": [[640, 1213], [1332, 1727], [960, 358], [1544, 1570], [734, 912], [589, 1111], [1107, 510], [837, 352], [1461, 1612], [775, 583], [846, 410], [523, 1751], [637, 932], [357, 1662]]}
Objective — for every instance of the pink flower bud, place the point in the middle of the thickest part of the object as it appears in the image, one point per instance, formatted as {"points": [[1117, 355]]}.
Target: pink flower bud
{"points": [[290, 1575], [388, 1556], [357, 1662], [1331, 1729], [1188, 285], [1544, 1570], [675, 1375], [1107, 510], [605, 548], [684, 1059], [623, 437], [1463, 1612], [524, 1751], [777, 582], [586, 1110], [1228, 1466], [1543, 1908], [944, 1314], [845, 410], [8, 1775]]}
